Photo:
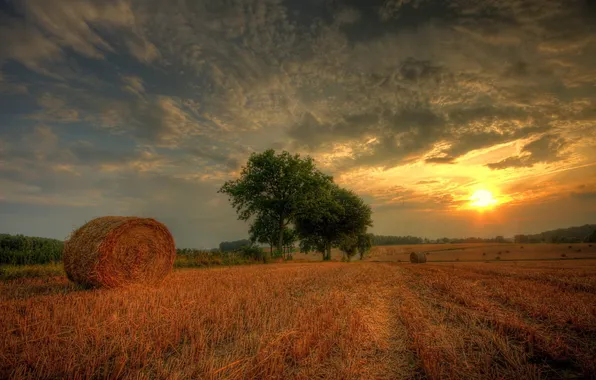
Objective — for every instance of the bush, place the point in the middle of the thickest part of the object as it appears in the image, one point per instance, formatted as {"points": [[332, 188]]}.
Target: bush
{"points": [[253, 252]]}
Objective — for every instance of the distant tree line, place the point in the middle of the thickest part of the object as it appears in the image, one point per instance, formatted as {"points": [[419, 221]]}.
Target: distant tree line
{"points": [[396, 240], [585, 233], [26, 250], [407, 240], [230, 246]]}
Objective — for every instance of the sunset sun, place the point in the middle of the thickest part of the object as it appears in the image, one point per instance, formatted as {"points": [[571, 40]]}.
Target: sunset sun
{"points": [[482, 199]]}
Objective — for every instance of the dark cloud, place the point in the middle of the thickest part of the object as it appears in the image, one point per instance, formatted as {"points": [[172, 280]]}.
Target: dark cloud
{"points": [[546, 149], [313, 133], [440, 160]]}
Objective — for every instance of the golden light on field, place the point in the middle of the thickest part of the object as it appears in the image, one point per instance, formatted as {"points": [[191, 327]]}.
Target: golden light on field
{"points": [[482, 199]]}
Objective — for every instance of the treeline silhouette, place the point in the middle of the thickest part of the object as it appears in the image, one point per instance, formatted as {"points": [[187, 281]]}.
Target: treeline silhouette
{"points": [[403, 240], [229, 246], [585, 233], [26, 250], [395, 240]]}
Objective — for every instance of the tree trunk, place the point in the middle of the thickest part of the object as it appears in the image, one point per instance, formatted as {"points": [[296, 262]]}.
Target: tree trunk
{"points": [[280, 241], [327, 253]]}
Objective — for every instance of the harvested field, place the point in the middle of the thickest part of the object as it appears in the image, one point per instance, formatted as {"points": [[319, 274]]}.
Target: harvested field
{"points": [[484, 252], [306, 320]]}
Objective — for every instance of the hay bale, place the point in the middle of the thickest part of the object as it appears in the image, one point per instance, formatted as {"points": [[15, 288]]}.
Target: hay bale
{"points": [[114, 251], [417, 257]]}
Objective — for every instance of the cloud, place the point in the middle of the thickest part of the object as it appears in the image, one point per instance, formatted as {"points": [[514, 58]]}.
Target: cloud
{"points": [[27, 45], [118, 95], [134, 85], [7, 87], [51, 30], [547, 148], [427, 182]]}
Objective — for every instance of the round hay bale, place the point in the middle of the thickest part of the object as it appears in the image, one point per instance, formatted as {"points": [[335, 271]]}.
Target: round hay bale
{"points": [[114, 251], [417, 257]]}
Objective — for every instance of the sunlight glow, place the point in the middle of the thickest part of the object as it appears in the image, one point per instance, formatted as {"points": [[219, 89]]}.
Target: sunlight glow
{"points": [[482, 198]]}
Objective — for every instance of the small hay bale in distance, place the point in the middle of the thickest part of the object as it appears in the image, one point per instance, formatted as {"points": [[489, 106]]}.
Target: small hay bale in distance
{"points": [[417, 257], [114, 251]]}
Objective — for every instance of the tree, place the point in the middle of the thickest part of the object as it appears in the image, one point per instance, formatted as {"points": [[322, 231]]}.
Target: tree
{"points": [[290, 237], [364, 244], [333, 217], [275, 186], [348, 244], [264, 230]]}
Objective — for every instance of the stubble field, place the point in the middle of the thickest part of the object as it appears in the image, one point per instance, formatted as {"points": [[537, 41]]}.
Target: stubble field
{"points": [[310, 320], [479, 252]]}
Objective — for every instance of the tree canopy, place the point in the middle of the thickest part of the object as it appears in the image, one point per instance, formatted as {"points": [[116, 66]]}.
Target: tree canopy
{"points": [[336, 217], [265, 230], [275, 187]]}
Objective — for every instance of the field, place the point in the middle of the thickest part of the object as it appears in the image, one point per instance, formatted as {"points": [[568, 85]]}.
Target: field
{"points": [[472, 252], [526, 320]]}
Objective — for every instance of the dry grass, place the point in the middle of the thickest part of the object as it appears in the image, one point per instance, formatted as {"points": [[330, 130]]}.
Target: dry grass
{"points": [[307, 320]]}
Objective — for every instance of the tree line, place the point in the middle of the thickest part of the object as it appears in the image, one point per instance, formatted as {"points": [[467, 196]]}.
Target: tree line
{"points": [[578, 234], [26, 250], [286, 199]]}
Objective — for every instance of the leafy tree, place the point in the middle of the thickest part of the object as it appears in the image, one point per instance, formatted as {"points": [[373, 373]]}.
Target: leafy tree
{"points": [[290, 237], [277, 185], [364, 244], [337, 214], [252, 252], [264, 230], [348, 244]]}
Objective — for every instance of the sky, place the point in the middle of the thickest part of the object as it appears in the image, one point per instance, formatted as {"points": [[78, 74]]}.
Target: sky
{"points": [[146, 107]]}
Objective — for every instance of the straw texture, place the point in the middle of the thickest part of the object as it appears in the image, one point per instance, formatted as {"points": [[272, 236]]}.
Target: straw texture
{"points": [[417, 257], [114, 251]]}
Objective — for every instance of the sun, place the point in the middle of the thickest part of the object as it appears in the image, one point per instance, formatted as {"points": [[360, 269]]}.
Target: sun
{"points": [[482, 198]]}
